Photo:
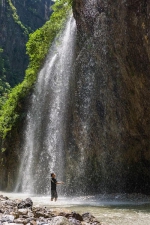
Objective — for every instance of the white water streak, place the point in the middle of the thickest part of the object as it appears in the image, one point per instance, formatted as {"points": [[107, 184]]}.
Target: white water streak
{"points": [[43, 150]]}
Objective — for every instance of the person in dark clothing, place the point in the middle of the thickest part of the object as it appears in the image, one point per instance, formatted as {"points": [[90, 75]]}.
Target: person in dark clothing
{"points": [[53, 187]]}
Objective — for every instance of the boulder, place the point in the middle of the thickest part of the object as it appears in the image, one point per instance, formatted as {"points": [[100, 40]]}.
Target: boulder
{"points": [[22, 211], [74, 221], [32, 222], [7, 218], [10, 203], [21, 221], [30, 213], [60, 220], [27, 203], [77, 216], [4, 198], [88, 218]]}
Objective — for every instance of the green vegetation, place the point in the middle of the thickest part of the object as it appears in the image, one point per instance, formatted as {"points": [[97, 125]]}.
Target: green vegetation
{"points": [[37, 49], [16, 17], [4, 86], [4, 90]]}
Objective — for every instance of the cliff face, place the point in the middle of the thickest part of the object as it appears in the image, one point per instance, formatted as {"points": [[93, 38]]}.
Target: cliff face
{"points": [[16, 19], [110, 110]]}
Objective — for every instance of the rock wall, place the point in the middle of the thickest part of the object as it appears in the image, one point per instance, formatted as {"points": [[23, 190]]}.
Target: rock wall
{"points": [[32, 14], [109, 144]]}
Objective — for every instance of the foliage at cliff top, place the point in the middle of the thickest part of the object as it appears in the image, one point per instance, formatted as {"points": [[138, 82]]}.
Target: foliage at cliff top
{"points": [[37, 49]]}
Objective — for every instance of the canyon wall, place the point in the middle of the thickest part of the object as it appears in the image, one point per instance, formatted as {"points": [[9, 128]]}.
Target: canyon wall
{"points": [[109, 114], [17, 20]]}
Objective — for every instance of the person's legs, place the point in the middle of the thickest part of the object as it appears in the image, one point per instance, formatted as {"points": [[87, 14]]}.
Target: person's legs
{"points": [[52, 195], [56, 196]]}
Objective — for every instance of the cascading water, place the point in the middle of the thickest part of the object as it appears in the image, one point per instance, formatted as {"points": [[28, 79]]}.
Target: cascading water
{"points": [[43, 149]]}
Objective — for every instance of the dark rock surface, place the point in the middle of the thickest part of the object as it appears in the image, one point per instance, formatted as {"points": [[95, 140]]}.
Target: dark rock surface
{"points": [[12, 214], [25, 204], [32, 14], [109, 142]]}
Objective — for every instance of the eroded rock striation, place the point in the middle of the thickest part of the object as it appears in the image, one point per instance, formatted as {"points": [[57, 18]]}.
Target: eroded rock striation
{"points": [[22, 212], [110, 138]]}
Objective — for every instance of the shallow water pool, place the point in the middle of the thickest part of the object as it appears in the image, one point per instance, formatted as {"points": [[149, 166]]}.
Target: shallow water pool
{"points": [[111, 209]]}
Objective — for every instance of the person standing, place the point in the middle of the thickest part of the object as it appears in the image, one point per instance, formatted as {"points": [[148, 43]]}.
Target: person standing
{"points": [[54, 183]]}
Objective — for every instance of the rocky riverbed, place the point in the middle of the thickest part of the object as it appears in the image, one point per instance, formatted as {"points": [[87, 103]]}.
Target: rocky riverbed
{"points": [[23, 212]]}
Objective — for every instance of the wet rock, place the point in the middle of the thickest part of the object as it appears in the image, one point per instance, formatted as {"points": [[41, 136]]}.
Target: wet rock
{"points": [[60, 220], [42, 213], [22, 211], [38, 214], [62, 214], [90, 219], [15, 214], [74, 215], [74, 221], [21, 221], [30, 214], [25, 204], [7, 218], [11, 203], [32, 222], [77, 216], [4, 198]]}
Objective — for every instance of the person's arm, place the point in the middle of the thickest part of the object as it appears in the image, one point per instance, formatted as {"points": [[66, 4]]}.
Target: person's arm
{"points": [[60, 182]]}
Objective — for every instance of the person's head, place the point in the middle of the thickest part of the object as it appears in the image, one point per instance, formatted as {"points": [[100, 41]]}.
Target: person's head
{"points": [[53, 175]]}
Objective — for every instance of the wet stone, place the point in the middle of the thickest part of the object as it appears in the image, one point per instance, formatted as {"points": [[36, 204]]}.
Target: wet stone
{"points": [[10, 203], [60, 220], [30, 214], [74, 221], [77, 216], [32, 222], [27, 203], [7, 218], [20, 220], [87, 217], [22, 211]]}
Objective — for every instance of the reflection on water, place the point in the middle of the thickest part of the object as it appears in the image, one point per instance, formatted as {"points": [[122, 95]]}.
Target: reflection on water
{"points": [[111, 209]]}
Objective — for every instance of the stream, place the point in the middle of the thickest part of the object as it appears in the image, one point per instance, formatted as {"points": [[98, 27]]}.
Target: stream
{"points": [[113, 209]]}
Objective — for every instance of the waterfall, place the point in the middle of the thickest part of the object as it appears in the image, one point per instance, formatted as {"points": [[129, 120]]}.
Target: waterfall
{"points": [[44, 137]]}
